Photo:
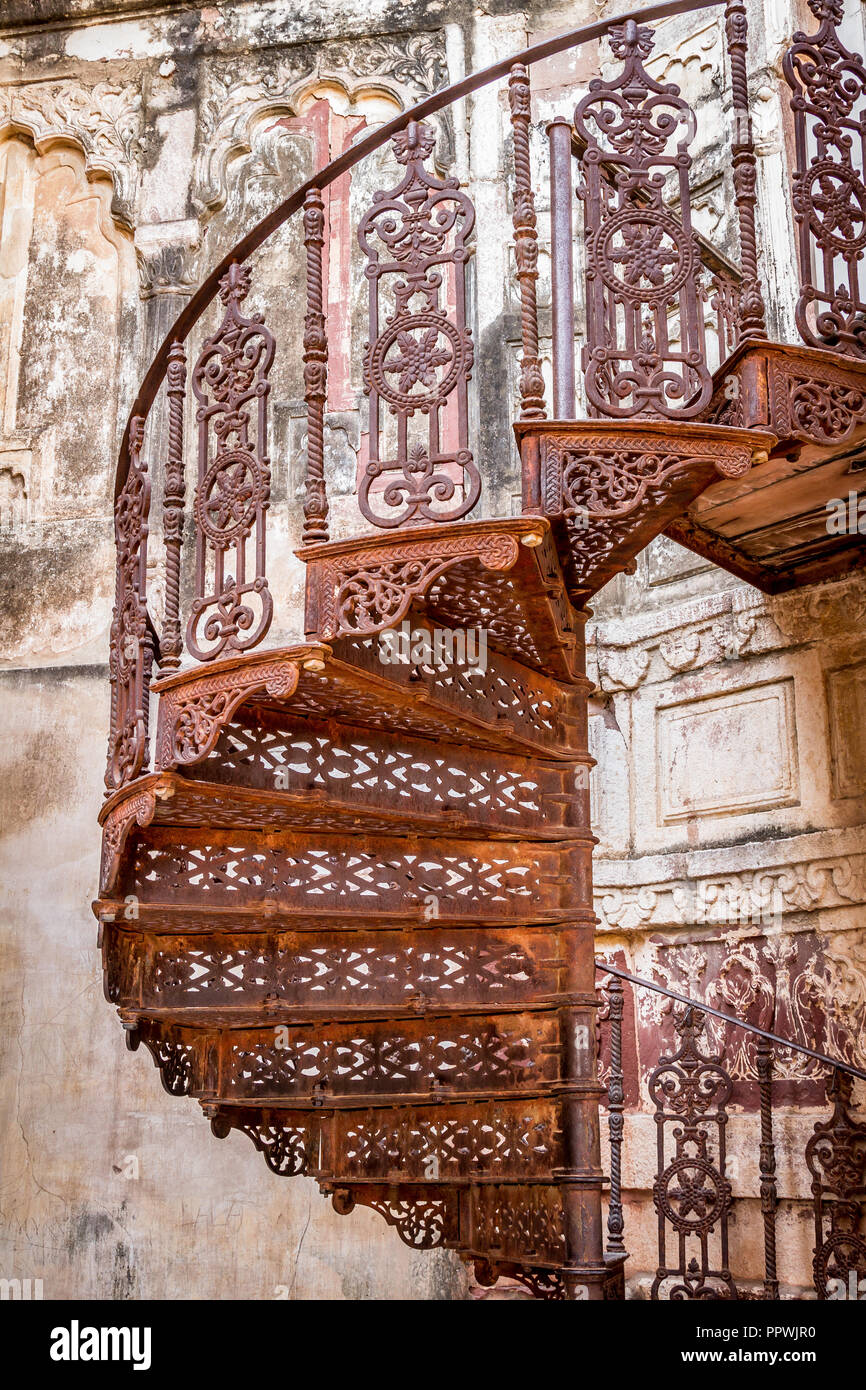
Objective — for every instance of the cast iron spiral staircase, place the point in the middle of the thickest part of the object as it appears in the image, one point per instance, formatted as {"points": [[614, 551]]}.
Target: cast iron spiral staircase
{"points": [[346, 900]]}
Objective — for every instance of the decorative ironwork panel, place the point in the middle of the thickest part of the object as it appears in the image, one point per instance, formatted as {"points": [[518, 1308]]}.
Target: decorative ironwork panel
{"points": [[512, 1052], [612, 488], [546, 1285], [131, 646], [642, 263], [138, 809], [502, 576], [289, 1147], [231, 612], [353, 971], [505, 693], [836, 1158], [177, 1058], [504, 1139], [526, 1224], [424, 1218], [468, 878], [418, 361], [378, 771], [828, 85], [192, 714], [691, 1193]]}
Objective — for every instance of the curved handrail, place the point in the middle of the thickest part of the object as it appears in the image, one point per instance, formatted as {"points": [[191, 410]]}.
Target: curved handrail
{"points": [[832, 1062], [254, 238]]}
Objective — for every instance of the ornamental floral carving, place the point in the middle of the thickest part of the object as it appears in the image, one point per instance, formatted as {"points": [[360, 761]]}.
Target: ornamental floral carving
{"points": [[373, 588], [133, 810], [103, 120], [193, 713], [237, 97]]}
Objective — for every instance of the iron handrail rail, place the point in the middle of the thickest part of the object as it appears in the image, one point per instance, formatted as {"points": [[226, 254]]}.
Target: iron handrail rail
{"points": [[258, 234], [822, 1057]]}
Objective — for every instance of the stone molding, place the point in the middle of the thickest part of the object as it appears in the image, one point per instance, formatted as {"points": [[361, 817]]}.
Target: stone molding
{"points": [[653, 647], [759, 880], [237, 94], [104, 120]]}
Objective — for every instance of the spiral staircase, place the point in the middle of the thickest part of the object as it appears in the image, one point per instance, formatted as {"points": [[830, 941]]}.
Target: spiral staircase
{"points": [[346, 900]]}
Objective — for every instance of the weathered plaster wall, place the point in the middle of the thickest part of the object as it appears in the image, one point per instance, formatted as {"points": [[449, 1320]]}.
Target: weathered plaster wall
{"points": [[134, 148], [110, 1189]]}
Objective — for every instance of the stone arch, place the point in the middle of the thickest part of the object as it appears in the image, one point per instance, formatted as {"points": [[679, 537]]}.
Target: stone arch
{"points": [[249, 111], [102, 121]]}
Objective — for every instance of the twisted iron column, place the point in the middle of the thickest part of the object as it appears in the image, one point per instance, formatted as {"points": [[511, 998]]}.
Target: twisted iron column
{"points": [[615, 1108], [525, 247], [752, 313], [769, 1200], [171, 643], [315, 372]]}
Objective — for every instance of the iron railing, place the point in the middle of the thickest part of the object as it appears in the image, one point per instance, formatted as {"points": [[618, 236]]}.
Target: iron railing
{"points": [[652, 290], [690, 1089]]}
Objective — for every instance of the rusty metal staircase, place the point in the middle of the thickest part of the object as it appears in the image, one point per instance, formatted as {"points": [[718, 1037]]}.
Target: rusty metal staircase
{"points": [[347, 903]]}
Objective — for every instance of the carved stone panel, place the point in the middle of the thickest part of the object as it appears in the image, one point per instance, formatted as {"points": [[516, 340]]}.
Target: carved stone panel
{"points": [[846, 703], [697, 774]]}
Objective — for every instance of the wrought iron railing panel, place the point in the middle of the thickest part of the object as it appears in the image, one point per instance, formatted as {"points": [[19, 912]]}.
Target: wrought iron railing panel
{"points": [[691, 1091], [231, 612], [419, 358], [828, 101], [642, 261]]}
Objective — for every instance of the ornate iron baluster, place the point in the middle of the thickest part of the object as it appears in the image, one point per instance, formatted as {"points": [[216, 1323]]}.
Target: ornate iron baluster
{"points": [[131, 646], [525, 247], [769, 1200], [615, 1108], [751, 306], [229, 380], [691, 1192], [827, 84], [642, 263], [836, 1158], [725, 297], [171, 644], [315, 372], [420, 361]]}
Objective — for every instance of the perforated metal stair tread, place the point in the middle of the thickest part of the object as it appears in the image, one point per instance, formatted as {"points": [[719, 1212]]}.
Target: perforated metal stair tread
{"points": [[277, 975], [610, 487], [504, 708], [771, 527], [198, 804], [503, 575]]}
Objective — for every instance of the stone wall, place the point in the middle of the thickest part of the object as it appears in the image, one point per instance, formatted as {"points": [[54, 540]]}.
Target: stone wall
{"points": [[730, 796]]}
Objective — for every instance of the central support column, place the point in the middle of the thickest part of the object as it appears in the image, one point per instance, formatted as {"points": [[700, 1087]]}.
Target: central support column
{"points": [[585, 1272]]}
